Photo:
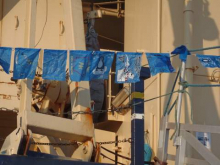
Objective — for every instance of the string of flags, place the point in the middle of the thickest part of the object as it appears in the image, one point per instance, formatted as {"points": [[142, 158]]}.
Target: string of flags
{"points": [[90, 65]]}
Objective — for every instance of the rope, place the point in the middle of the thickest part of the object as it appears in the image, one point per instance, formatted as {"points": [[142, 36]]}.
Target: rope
{"points": [[177, 125], [193, 50], [185, 84], [168, 103], [45, 23], [156, 97], [201, 49], [172, 106]]}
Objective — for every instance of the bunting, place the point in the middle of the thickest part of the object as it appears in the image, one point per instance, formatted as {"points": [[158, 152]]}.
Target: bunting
{"points": [[80, 62], [93, 65], [128, 66], [25, 63], [159, 63], [101, 64], [54, 65], [5, 58], [209, 61]]}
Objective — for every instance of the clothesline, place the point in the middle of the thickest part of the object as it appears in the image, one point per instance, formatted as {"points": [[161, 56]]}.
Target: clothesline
{"points": [[88, 65]]}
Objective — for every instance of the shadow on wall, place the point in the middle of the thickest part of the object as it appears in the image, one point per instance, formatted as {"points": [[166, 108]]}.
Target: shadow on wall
{"points": [[205, 109], [6, 9], [110, 32]]}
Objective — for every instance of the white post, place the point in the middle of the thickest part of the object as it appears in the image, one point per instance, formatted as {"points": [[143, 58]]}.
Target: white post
{"points": [[26, 85], [181, 151], [180, 95], [186, 68], [163, 140], [188, 32], [75, 40]]}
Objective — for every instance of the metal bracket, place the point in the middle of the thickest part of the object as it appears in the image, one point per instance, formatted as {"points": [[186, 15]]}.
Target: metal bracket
{"points": [[137, 116], [137, 95], [94, 14], [177, 141]]}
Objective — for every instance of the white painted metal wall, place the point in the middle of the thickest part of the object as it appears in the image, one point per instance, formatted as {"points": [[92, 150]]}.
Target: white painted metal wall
{"points": [[143, 24]]}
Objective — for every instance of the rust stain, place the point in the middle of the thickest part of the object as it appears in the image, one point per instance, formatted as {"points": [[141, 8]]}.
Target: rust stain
{"points": [[76, 89], [86, 143], [10, 83], [6, 97], [76, 84], [89, 116]]}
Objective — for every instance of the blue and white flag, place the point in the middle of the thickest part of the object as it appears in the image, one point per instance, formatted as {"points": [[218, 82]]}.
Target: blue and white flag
{"points": [[159, 63], [80, 62], [25, 63], [101, 64], [128, 66], [209, 61], [54, 65], [5, 58]]}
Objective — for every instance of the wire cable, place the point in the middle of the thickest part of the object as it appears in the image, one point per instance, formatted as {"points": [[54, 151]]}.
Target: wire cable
{"points": [[185, 84], [110, 39], [202, 49], [44, 24], [111, 159], [167, 94], [178, 125], [168, 103], [114, 153]]}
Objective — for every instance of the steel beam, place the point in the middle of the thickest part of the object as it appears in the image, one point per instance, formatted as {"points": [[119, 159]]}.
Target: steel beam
{"points": [[137, 119], [59, 127]]}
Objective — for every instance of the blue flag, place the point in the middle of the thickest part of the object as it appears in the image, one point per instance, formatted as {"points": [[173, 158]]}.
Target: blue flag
{"points": [[159, 63], [128, 66], [25, 63], [101, 64], [209, 61], [80, 62], [54, 65], [5, 58], [182, 51]]}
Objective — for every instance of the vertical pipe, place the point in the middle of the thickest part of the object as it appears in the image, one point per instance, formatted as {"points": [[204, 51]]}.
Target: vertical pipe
{"points": [[179, 104], [188, 29], [157, 127], [185, 70], [116, 151], [1, 17], [188, 41], [137, 125], [152, 129], [109, 90], [180, 95]]}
